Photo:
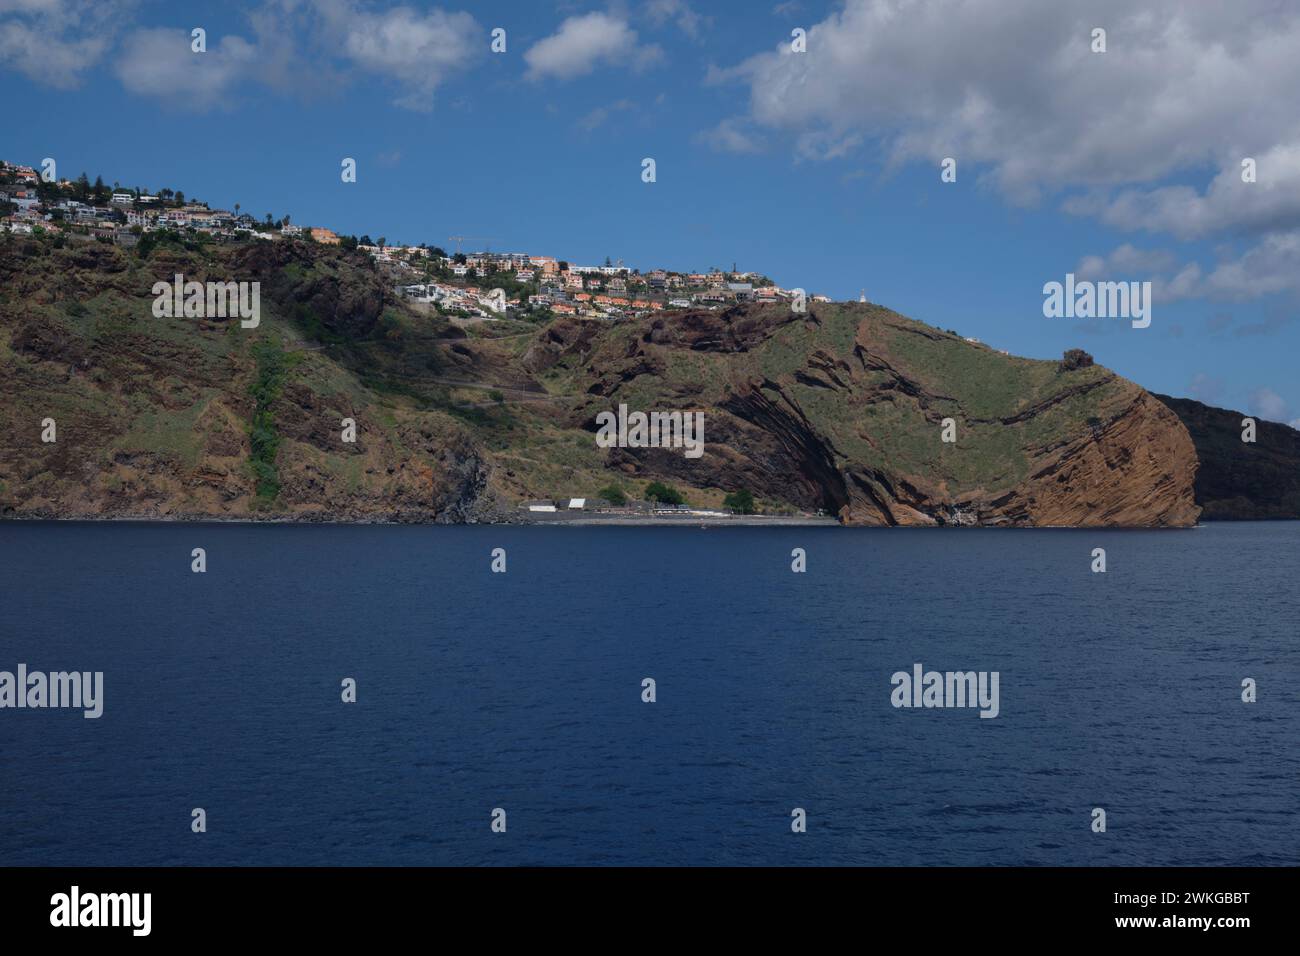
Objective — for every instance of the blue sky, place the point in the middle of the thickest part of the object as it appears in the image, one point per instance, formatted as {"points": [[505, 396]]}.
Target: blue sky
{"points": [[819, 168]]}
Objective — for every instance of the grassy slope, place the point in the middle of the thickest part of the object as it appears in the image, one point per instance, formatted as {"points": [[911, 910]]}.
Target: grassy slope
{"points": [[130, 391]]}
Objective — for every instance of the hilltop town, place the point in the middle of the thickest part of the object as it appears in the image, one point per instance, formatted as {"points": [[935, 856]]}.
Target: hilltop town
{"points": [[473, 286]]}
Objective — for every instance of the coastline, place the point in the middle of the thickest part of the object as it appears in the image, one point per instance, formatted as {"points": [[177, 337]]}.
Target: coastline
{"points": [[589, 520], [596, 520], [702, 521]]}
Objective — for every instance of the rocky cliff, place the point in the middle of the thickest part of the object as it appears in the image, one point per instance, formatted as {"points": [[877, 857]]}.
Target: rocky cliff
{"points": [[1241, 480], [843, 408]]}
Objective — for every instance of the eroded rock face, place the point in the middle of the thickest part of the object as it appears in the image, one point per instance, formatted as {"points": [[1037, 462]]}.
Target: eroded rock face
{"points": [[343, 292], [856, 430], [1137, 469], [563, 338]]}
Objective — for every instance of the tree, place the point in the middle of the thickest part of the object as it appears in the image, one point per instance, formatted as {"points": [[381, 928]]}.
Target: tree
{"points": [[1074, 359], [665, 494], [614, 495], [741, 502]]}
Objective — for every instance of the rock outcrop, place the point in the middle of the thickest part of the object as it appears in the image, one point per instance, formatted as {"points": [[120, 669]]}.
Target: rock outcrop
{"points": [[844, 409]]}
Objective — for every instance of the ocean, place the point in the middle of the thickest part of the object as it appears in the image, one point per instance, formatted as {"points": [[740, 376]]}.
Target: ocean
{"points": [[523, 692]]}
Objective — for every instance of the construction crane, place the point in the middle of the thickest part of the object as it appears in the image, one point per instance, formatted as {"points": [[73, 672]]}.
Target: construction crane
{"points": [[459, 239]]}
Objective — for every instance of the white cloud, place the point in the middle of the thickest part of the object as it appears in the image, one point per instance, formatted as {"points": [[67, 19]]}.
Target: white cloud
{"points": [[680, 12], [306, 47], [161, 63], [1186, 284], [586, 42], [1013, 85], [1268, 267], [1126, 261], [1266, 403], [730, 136], [54, 42], [1269, 204], [415, 50], [825, 144], [1129, 259], [1012, 90]]}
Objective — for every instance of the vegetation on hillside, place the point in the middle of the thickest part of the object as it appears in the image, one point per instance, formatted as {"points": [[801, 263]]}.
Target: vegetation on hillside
{"points": [[664, 494], [272, 368], [741, 502]]}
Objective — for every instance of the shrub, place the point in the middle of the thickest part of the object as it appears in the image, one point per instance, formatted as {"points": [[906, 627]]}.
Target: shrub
{"points": [[664, 494], [741, 502], [614, 495], [1075, 359]]}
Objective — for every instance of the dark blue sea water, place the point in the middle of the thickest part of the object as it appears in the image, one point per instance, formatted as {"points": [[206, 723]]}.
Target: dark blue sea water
{"points": [[523, 691]]}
